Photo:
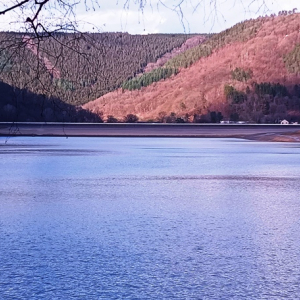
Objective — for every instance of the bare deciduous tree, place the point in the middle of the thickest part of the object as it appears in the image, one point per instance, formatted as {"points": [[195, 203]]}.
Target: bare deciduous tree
{"points": [[43, 17], [46, 16]]}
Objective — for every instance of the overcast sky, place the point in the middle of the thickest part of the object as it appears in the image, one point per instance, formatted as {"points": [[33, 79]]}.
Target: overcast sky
{"points": [[193, 16]]}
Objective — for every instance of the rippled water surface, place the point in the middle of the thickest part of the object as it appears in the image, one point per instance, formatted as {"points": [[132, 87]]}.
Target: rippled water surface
{"points": [[146, 218]]}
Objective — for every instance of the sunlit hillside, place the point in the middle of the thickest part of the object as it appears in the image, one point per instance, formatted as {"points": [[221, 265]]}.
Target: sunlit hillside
{"points": [[250, 72], [74, 69]]}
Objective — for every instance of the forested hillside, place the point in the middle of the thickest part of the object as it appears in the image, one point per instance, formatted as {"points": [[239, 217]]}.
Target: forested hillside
{"points": [[72, 69], [82, 67], [250, 72], [21, 105]]}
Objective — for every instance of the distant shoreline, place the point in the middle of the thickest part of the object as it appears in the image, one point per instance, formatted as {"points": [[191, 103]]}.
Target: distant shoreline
{"points": [[273, 132]]}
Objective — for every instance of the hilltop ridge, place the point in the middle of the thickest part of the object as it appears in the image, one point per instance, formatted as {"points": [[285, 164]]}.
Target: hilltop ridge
{"points": [[249, 72]]}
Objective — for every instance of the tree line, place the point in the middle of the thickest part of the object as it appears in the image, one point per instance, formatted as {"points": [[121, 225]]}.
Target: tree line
{"points": [[264, 102]]}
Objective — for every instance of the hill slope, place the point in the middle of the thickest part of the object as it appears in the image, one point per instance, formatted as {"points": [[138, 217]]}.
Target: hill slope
{"points": [[251, 71], [21, 105], [77, 68]]}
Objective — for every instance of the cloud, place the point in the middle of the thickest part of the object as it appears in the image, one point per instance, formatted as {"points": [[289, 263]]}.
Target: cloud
{"points": [[132, 21], [192, 16], [165, 16]]}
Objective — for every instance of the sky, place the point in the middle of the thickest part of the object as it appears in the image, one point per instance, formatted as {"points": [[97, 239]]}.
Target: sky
{"points": [[204, 16], [157, 16]]}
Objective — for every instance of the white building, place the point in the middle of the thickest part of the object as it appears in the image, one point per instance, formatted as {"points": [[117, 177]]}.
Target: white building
{"points": [[284, 122]]}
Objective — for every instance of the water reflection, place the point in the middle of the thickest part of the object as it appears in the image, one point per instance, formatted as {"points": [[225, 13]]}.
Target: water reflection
{"points": [[149, 219]]}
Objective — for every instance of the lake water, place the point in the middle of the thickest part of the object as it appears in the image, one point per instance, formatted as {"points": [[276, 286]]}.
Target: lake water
{"points": [[149, 218]]}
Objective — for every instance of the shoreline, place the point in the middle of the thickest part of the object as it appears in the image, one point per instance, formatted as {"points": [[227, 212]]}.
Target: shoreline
{"points": [[258, 132]]}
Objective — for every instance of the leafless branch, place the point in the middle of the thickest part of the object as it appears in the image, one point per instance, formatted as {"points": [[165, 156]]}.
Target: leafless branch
{"points": [[3, 12]]}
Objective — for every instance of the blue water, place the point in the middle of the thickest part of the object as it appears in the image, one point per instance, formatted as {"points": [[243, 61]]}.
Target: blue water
{"points": [[149, 218]]}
